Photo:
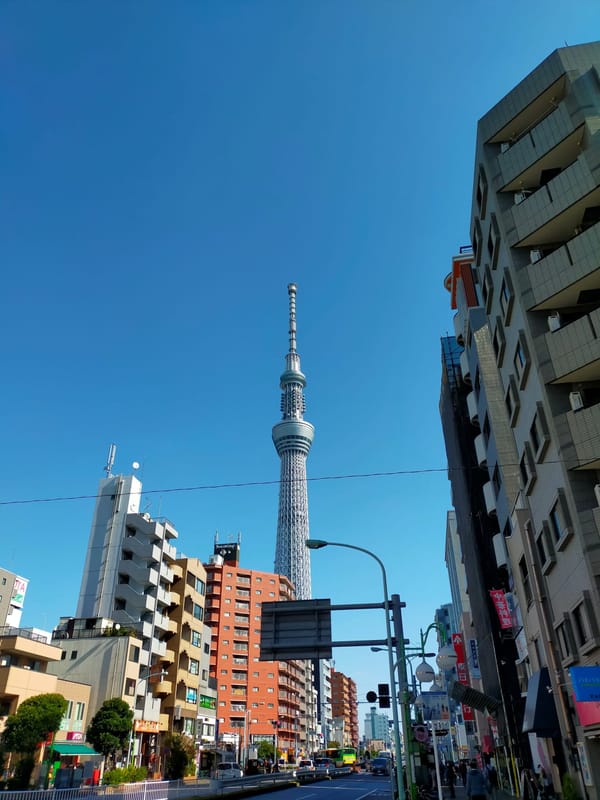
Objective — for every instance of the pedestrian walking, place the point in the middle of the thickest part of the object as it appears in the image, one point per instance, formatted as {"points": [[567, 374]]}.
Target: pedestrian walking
{"points": [[476, 788], [529, 787], [451, 778], [462, 768], [491, 775]]}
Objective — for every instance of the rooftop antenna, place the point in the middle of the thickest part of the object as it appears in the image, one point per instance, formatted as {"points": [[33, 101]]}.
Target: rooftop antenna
{"points": [[112, 451], [292, 295]]}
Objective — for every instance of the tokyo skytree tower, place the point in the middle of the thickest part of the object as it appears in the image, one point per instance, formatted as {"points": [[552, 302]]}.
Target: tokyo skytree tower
{"points": [[292, 438]]}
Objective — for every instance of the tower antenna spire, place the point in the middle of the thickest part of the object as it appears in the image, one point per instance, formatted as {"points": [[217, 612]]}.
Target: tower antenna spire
{"points": [[292, 294], [293, 437]]}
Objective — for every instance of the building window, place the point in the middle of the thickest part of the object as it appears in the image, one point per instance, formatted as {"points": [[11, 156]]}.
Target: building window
{"points": [[196, 639], [198, 612], [200, 586], [130, 687], [73, 655], [194, 667], [507, 297], [476, 240], [521, 360], [270, 689], [525, 581], [79, 711], [191, 694], [134, 653], [527, 468], [493, 242], [580, 625], [512, 401], [545, 547], [499, 341], [204, 675], [559, 520], [487, 289], [481, 194], [564, 635], [207, 648], [539, 433]]}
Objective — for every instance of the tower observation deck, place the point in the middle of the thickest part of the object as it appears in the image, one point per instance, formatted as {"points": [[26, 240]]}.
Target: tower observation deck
{"points": [[293, 438]]}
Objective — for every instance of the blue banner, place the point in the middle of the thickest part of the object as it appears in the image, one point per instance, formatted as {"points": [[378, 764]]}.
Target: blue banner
{"points": [[586, 684]]}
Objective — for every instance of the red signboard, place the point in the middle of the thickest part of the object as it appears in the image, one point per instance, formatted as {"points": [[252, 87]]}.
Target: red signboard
{"points": [[502, 609], [462, 671]]}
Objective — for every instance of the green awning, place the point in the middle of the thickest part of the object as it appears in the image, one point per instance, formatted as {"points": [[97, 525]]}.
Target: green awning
{"points": [[68, 749]]}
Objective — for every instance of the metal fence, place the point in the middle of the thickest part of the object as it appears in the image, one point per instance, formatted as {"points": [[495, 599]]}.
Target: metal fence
{"points": [[148, 790]]}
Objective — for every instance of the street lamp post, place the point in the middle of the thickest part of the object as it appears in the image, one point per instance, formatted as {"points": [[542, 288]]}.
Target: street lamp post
{"points": [[316, 544]]}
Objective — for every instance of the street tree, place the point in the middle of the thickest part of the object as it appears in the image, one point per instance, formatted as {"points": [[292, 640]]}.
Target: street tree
{"points": [[181, 755], [110, 727], [36, 719]]}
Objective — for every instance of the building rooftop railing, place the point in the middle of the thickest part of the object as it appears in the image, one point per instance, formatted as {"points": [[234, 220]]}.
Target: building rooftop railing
{"points": [[24, 633]]}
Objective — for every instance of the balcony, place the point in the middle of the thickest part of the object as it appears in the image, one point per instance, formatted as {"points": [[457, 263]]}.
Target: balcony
{"points": [[521, 163], [175, 598], [481, 450], [472, 408], [162, 688], [555, 210], [584, 426], [558, 279], [21, 682], [489, 496], [575, 350]]}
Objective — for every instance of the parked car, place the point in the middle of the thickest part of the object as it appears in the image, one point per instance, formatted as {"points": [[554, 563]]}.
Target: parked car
{"points": [[323, 763], [228, 770], [306, 763], [380, 766]]}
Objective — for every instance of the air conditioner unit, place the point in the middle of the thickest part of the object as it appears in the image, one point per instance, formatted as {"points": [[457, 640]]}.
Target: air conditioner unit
{"points": [[554, 321], [504, 146], [597, 493], [576, 400], [520, 196], [535, 255]]}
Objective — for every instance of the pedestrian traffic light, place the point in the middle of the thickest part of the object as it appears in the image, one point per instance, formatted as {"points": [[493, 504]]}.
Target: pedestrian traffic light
{"points": [[383, 691]]}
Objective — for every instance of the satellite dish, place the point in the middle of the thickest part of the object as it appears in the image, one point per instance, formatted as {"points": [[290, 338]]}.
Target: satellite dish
{"points": [[136, 465]]}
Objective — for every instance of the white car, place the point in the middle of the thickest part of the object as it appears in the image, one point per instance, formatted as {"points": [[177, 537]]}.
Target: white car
{"points": [[228, 770], [306, 763]]}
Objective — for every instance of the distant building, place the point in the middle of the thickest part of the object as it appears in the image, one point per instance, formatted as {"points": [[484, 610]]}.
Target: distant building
{"points": [[12, 598], [344, 706], [377, 729]]}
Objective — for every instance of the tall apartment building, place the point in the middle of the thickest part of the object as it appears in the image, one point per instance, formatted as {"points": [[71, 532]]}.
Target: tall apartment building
{"points": [[257, 700], [528, 383], [344, 706], [12, 598], [133, 577]]}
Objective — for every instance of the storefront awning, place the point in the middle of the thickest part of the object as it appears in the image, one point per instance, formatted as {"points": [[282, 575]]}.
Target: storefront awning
{"points": [[68, 749], [540, 711]]}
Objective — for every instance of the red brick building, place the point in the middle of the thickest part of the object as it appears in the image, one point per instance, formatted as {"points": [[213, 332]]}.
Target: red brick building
{"points": [[256, 700]]}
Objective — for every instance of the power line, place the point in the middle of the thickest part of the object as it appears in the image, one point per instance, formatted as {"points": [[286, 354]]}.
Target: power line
{"points": [[243, 484]]}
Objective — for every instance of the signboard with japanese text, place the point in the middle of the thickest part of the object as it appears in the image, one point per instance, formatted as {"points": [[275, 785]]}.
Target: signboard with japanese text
{"points": [[586, 683], [473, 659], [502, 609]]}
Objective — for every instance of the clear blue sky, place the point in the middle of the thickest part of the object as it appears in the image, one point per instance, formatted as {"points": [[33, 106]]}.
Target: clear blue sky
{"points": [[167, 169]]}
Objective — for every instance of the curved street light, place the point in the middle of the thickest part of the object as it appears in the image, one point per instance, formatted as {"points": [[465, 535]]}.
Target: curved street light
{"points": [[317, 544]]}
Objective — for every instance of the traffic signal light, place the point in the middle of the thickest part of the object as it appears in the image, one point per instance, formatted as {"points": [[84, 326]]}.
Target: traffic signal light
{"points": [[383, 691]]}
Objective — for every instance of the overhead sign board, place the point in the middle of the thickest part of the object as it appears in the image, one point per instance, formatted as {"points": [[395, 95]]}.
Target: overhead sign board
{"points": [[296, 629]]}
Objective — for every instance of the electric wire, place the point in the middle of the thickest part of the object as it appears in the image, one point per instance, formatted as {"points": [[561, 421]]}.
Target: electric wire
{"points": [[273, 482]]}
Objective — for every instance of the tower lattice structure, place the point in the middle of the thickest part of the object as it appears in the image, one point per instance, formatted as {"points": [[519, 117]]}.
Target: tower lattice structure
{"points": [[293, 438]]}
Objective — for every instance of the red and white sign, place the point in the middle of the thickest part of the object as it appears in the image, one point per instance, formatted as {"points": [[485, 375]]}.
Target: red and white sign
{"points": [[75, 736], [502, 609], [462, 671]]}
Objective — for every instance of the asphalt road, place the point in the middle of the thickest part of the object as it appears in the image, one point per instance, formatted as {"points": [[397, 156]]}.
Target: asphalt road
{"points": [[352, 787]]}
